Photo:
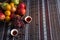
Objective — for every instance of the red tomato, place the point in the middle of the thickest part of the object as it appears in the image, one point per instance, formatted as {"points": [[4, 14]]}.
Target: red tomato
{"points": [[22, 12]]}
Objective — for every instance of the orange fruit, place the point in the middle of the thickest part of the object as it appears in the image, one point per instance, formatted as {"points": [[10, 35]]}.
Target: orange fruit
{"points": [[17, 15], [7, 18], [7, 13], [8, 7]]}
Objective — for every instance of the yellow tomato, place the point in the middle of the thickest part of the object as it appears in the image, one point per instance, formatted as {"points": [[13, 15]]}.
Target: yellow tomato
{"points": [[8, 7], [7, 13], [7, 18], [12, 4]]}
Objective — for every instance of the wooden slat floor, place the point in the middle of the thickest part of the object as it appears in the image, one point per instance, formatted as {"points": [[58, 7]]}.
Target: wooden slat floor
{"points": [[36, 30]]}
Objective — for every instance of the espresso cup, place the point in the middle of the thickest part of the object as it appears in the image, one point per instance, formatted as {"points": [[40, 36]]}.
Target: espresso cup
{"points": [[14, 32], [28, 19]]}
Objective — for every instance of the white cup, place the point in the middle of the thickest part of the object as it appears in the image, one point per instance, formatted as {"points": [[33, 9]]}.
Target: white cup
{"points": [[28, 19], [14, 32]]}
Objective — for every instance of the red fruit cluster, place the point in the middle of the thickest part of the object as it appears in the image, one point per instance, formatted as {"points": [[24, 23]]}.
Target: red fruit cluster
{"points": [[18, 21], [21, 9]]}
